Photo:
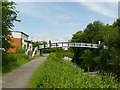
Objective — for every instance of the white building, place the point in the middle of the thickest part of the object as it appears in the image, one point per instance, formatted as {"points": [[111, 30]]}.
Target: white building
{"points": [[20, 39]]}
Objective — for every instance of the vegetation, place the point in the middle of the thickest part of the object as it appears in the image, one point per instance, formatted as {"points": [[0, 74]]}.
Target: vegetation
{"points": [[56, 72], [36, 56], [51, 50], [106, 60], [35, 44], [9, 15], [21, 50], [13, 60]]}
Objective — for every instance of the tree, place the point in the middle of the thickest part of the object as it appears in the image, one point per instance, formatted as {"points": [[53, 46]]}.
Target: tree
{"points": [[92, 30], [117, 23], [107, 60], [35, 44], [9, 15]]}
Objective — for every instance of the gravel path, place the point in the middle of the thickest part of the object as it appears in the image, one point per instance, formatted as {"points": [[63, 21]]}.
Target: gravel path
{"points": [[21, 76]]}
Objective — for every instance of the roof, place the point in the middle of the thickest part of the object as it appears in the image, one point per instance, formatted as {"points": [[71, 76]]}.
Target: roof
{"points": [[21, 32], [28, 41]]}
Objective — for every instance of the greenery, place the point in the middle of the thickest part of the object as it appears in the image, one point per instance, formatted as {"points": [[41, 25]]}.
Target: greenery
{"points": [[64, 53], [35, 57], [56, 72], [11, 61], [106, 60], [51, 50], [20, 50], [9, 15], [35, 44]]}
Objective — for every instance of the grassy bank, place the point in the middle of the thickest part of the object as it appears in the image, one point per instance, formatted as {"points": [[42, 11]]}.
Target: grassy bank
{"points": [[36, 56], [58, 73], [11, 61]]}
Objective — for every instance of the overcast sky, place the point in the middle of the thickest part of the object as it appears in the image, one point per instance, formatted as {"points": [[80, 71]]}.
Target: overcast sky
{"points": [[57, 21]]}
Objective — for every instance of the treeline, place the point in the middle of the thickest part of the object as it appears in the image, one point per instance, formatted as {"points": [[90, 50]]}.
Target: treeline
{"points": [[106, 60]]}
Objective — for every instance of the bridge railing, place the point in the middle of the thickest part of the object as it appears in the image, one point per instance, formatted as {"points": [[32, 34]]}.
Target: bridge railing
{"points": [[67, 44]]}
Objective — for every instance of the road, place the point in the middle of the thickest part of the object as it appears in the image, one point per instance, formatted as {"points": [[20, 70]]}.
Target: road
{"points": [[21, 76]]}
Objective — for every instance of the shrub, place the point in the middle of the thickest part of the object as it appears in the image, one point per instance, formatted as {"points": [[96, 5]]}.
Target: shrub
{"points": [[8, 57], [20, 50], [51, 50], [13, 60]]}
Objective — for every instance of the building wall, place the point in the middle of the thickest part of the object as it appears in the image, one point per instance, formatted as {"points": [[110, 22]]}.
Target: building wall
{"points": [[24, 44], [15, 42], [19, 39], [16, 35], [23, 36], [19, 35], [30, 46]]}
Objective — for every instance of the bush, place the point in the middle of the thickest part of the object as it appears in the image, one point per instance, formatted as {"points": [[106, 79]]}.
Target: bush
{"points": [[7, 58], [51, 50], [20, 50], [13, 60]]}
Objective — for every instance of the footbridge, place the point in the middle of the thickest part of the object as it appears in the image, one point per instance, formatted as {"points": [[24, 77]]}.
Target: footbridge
{"points": [[68, 45]]}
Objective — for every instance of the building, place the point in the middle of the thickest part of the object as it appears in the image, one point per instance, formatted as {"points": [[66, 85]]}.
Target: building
{"points": [[19, 39]]}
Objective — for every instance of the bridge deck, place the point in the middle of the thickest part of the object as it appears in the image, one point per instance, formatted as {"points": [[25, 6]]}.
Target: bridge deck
{"points": [[67, 44]]}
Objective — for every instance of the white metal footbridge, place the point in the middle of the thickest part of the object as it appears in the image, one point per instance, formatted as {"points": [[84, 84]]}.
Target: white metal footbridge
{"points": [[68, 45]]}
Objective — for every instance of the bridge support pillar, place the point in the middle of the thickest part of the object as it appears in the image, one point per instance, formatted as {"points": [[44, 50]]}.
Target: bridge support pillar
{"points": [[40, 52]]}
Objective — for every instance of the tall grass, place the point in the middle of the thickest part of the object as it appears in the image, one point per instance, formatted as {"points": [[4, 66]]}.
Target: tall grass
{"points": [[58, 73], [13, 60]]}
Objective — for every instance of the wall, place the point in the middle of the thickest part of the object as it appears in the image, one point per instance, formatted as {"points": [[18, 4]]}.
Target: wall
{"points": [[16, 35], [24, 36], [24, 43], [15, 42]]}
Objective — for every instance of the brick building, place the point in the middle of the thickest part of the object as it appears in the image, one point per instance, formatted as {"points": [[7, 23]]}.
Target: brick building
{"points": [[20, 39]]}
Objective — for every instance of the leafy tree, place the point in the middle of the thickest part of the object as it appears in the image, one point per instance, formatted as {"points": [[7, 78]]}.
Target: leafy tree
{"points": [[102, 59], [92, 34], [9, 15], [113, 43], [35, 44], [117, 23]]}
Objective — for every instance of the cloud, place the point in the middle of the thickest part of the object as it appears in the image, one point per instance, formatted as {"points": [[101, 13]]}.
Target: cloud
{"points": [[65, 24], [109, 10], [51, 36], [32, 10], [63, 17]]}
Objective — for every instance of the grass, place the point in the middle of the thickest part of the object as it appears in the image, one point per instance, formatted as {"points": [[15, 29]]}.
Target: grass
{"points": [[36, 56], [58, 73], [11, 61]]}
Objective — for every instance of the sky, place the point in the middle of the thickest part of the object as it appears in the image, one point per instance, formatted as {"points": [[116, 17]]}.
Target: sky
{"points": [[58, 21]]}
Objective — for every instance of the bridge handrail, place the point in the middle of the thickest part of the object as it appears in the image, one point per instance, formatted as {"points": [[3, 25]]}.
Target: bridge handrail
{"points": [[68, 44]]}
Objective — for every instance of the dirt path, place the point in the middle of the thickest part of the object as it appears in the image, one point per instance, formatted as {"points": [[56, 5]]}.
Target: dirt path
{"points": [[20, 77]]}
